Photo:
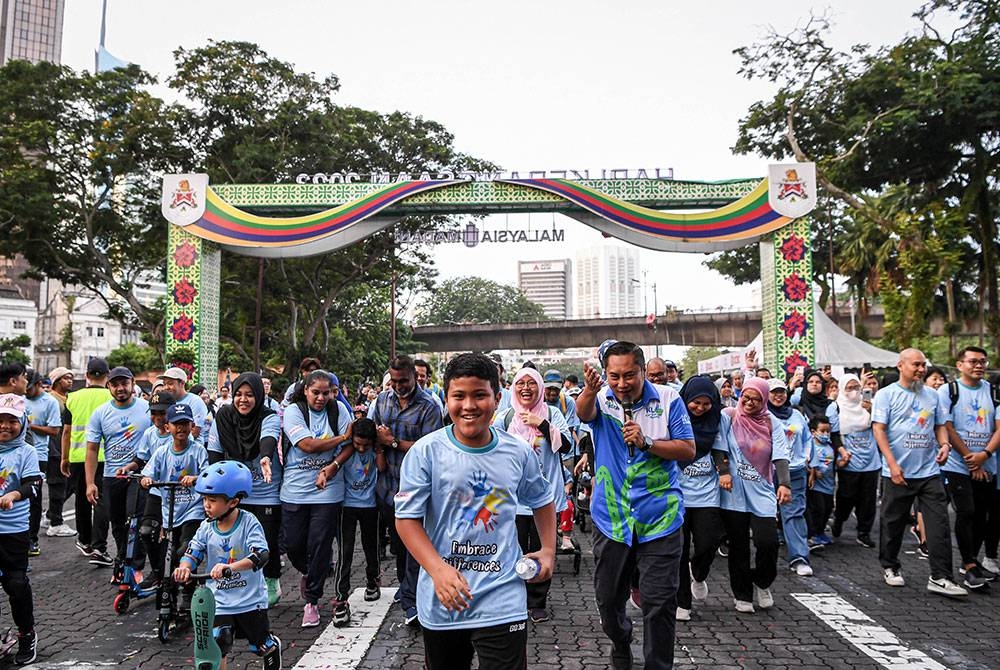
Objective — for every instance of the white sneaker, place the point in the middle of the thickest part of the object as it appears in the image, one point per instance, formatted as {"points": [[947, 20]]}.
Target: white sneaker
{"points": [[62, 530], [683, 614], [945, 587], [893, 577], [744, 606], [764, 598], [991, 564], [699, 590], [803, 569]]}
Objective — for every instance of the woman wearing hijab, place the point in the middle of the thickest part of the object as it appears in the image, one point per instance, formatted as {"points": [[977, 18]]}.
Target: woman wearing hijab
{"points": [[793, 515], [700, 483], [247, 431], [726, 395], [545, 429], [756, 450], [857, 481], [812, 400]]}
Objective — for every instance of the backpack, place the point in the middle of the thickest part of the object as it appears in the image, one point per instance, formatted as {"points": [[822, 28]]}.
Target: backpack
{"points": [[509, 416], [332, 417], [953, 394]]}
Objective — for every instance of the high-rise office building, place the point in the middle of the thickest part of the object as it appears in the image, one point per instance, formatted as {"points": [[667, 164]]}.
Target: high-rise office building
{"points": [[607, 281], [31, 30], [550, 284]]}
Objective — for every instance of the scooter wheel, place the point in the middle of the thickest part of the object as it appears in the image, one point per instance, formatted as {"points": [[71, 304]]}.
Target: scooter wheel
{"points": [[163, 631], [121, 603]]}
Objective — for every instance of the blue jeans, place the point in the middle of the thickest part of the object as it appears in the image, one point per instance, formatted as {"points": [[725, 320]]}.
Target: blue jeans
{"points": [[793, 519]]}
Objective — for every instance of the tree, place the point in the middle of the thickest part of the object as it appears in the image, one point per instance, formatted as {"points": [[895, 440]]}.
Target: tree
{"points": [[918, 115], [689, 364], [476, 300], [12, 349], [135, 357], [80, 159]]}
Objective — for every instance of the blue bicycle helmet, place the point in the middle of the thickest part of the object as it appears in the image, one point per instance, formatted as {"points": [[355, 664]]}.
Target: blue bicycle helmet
{"points": [[226, 478]]}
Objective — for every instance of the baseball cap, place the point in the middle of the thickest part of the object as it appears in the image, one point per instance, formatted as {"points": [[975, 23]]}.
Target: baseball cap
{"points": [[121, 371], [34, 377], [178, 413], [97, 367], [552, 379], [174, 373], [59, 372], [161, 401], [669, 364], [774, 384], [13, 404]]}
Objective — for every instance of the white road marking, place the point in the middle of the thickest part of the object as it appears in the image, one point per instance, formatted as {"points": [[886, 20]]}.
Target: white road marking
{"points": [[864, 633], [344, 648]]}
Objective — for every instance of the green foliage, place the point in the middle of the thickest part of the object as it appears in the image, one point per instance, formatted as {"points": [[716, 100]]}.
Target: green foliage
{"points": [[689, 364], [11, 349], [470, 300], [136, 357]]}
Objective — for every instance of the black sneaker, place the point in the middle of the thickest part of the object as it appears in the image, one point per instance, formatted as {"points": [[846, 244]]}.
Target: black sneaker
{"points": [[865, 540], [723, 550], [34, 550], [101, 558], [27, 648], [988, 575], [150, 582], [341, 614], [621, 656], [372, 593], [85, 549], [922, 551], [836, 527]]}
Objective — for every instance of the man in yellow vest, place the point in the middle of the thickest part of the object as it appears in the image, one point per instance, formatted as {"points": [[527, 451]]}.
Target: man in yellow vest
{"points": [[91, 521]]}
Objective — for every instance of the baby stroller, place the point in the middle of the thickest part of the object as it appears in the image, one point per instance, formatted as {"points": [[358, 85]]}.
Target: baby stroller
{"points": [[582, 488]]}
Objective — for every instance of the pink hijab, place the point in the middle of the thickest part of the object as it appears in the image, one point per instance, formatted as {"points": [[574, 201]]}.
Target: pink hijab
{"points": [[753, 431], [539, 409]]}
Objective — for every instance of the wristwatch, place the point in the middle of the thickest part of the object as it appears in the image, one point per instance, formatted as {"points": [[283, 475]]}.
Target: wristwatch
{"points": [[646, 445], [395, 444]]}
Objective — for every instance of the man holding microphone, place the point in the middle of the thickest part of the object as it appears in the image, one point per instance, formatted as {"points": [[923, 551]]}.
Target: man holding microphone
{"points": [[639, 430]]}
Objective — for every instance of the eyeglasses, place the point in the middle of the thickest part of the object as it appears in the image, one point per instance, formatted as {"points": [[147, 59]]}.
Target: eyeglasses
{"points": [[977, 362], [746, 400]]}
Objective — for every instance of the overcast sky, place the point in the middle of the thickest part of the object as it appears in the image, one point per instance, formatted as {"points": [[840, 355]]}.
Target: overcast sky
{"points": [[528, 85]]}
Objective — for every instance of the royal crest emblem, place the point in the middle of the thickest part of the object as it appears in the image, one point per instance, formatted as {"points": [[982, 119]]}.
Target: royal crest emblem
{"points": [[183, 201], [792, 189]]}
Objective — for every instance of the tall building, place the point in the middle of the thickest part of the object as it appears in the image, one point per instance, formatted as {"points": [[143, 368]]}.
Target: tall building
{"points": [[550, 284], [31, 30], [607, 281]]}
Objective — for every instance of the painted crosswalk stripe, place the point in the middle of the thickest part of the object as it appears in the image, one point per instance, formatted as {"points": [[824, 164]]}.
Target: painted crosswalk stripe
{"points": [[863, 632], [344, 648]]}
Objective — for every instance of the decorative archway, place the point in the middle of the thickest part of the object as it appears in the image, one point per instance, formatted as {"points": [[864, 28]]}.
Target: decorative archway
{"points": [[297, 220]]}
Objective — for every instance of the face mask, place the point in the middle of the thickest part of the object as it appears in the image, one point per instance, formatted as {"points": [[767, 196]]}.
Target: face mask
{"points": [[853, 395], [823, 439]]}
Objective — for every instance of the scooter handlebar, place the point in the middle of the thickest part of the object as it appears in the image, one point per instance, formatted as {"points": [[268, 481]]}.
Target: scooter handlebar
{"points": [[205, 576]]}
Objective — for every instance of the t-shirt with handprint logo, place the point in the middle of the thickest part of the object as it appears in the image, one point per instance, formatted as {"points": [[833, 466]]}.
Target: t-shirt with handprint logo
{"points": [[909, 420], [16, 464], [298, 484], [119, 430], [468, 500], [168, 465], [974, 419]]}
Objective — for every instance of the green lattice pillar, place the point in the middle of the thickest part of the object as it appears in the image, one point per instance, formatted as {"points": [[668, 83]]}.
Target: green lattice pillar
{"points": [[787, 305], [192, 323]]}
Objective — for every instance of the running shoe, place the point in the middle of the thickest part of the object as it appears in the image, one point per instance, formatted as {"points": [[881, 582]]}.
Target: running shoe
{"points": [[538, 615], [865, 540], [683, 614], [101, 558], [802, 569], [372, 593], [699, 590], [85, 549], [62, 530], [945, 587], [923, 551], [992, 565], [150, 582], [310, 615], [27, 648], [893, 577], [744, 606], [412, 619], [341, 614], [764, 598], [34, 550], [723, 550]]}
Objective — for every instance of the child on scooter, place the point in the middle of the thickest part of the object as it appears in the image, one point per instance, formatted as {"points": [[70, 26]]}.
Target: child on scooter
{"points": [[179, 461], [20, 480], [232, 542]]}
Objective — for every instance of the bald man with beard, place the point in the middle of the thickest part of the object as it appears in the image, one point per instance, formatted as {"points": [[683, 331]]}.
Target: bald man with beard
{"points": [[903, 421]]}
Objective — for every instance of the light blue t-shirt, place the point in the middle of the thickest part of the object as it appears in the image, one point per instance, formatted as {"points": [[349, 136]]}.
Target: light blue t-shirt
{"points": [[243, 591], [909, 420], [751, 492], [700, 482], [822, 460], [572, 420], [974, 419], [360, 475], [263, 493], [167, 465], [799, 438], [151, 441], [865, 456], [43, 410], [298, 484], [17, 463], [468, 500], [120, 430], [550, 462]]}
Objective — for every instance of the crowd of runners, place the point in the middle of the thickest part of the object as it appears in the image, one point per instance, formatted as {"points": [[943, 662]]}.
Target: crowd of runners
{"points": [[474, 484]]}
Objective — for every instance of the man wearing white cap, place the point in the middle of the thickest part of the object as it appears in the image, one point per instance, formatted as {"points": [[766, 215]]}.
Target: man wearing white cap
{"points": [[175, 382]]}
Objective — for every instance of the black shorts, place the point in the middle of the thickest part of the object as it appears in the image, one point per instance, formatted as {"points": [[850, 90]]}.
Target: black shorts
{"points": [[251, 626], [500, 647]]}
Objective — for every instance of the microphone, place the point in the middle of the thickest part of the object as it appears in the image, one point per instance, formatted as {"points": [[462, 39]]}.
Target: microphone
{"points": [[627, 408]]}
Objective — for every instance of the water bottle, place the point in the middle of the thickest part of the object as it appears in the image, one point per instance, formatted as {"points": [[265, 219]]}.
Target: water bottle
{"points": [[527, 568]]}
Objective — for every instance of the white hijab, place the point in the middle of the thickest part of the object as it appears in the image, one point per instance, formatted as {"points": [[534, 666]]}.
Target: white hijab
{"points": [[853, 417]]}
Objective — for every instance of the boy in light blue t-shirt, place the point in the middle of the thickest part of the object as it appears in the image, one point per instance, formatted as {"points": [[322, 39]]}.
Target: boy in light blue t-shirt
{"points": [[459, 490], [819, 497], [360, 473]]}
